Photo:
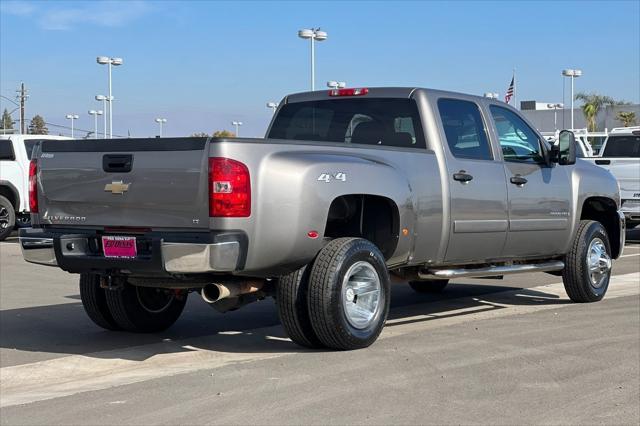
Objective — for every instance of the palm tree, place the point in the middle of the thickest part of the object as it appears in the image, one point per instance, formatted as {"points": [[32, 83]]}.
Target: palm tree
{"points": [[592, 105]]}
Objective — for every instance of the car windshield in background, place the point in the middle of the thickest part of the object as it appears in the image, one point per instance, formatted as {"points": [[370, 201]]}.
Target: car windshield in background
{"points": [[622, 146], [384, 122]]}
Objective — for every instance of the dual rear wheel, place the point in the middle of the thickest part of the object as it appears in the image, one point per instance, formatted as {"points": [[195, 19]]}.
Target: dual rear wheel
{"points": [[130, 308]]}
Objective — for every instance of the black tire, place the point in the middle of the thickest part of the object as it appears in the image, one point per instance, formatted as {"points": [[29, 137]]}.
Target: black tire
{"points": [[428, 286], [94, 301], [327, 303], [7, 218], [576, 275], [145, 309], [291, 299]]}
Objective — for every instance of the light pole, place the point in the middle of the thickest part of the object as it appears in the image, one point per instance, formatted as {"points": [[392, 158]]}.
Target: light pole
{"points": [[313, 35], [105, 60], [237, 124], [161, 121], [573, 74], [555, 113], [72, 117], [336, 84], [491, 95], [104, 100], [273, 106], [95, 121]]}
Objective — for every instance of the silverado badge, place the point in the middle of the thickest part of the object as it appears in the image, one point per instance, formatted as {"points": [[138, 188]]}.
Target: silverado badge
{"points": [[117, 187]]}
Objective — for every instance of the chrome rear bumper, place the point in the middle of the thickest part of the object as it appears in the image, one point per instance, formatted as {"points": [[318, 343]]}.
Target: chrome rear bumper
{"points": [[182, 258]]}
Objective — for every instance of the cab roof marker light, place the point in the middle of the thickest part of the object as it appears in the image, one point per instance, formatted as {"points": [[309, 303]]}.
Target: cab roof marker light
{"points": [[349, 92]]}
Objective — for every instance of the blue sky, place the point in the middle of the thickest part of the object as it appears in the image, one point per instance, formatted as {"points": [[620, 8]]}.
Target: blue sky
{"points": [[202, 64]]}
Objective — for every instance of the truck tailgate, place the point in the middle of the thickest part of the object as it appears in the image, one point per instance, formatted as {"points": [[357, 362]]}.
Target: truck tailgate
{"points": [[151, 183]]}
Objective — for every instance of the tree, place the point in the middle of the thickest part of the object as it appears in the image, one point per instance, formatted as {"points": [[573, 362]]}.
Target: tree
{"points": [[628, 118], [592, 104], [38, 126], [199, 135], [223, 134], [7, 122]]}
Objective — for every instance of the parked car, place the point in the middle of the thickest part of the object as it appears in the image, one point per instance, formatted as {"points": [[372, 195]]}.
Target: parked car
{"points": [[348, 186], [620, 154], [15, 153]]}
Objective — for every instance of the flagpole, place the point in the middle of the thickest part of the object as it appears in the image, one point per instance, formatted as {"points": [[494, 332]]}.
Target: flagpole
{"points": [[515, 90]]}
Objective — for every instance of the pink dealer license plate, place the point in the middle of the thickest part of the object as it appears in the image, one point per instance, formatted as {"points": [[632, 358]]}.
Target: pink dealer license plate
{"points": [[119, 247]]}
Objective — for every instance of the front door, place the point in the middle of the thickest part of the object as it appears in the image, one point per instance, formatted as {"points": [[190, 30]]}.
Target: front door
{"points": [[539, 195], [478, 197]]}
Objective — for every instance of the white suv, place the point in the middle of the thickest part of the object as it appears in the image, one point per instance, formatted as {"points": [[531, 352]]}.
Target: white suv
{"points": [[15, 153]]}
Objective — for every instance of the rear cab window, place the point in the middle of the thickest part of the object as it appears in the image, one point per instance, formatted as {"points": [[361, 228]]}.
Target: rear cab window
{"points": [[464, 129], [372, 121], [622, 146]]}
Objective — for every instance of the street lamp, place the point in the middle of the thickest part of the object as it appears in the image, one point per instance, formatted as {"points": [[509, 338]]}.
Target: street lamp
{"points": [[237, 124], [104, 100], [573, 74], [313, 35], [105, 60], [491, 95], [72, 117], [555, 113], [336, 84], [161, 121], [273, 106], [95, 121]]}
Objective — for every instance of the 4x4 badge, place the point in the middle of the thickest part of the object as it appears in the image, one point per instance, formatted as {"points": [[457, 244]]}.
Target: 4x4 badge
{"points": [[117, 187]]}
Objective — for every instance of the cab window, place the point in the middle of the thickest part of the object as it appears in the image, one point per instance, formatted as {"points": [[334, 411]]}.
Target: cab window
{"points": [[518, 141], [464, 129]]}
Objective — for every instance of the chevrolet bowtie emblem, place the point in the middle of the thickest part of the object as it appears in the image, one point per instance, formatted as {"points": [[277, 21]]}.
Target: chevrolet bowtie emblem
{"points": [[117, 187]]}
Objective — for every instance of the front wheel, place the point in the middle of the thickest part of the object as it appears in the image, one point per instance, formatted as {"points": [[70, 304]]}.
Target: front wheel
{"points": [[587, 268], [348, 296], [145, 309]]}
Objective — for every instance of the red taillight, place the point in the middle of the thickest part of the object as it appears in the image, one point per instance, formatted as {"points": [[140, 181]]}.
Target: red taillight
{"points": [[229, 188], [33, 186], [348, 92]]}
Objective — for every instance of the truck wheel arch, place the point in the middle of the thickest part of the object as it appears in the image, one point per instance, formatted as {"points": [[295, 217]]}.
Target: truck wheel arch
{"points": [[8, 191], [372, 217], [604, 210]]}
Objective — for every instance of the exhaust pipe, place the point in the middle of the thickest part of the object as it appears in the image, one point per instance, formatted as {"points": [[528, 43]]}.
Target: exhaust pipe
{"points": [[212, 293]]}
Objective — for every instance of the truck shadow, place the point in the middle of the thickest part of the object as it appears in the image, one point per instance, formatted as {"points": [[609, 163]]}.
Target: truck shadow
{"points": [[44, 332]]}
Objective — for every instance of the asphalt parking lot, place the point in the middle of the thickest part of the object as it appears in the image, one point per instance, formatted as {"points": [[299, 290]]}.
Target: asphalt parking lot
{"points": [[512, 351]]}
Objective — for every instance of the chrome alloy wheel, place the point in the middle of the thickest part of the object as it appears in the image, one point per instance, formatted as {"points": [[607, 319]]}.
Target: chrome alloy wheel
{"points": [[598, 262], [361, 292]]}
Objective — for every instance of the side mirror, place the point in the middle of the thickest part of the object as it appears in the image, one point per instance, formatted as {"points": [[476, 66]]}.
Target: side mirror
{"points": [[564, 152]]}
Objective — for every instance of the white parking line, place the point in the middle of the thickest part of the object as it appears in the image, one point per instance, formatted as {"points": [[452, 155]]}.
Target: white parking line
{"points": [[74, 374], [630, 255]]}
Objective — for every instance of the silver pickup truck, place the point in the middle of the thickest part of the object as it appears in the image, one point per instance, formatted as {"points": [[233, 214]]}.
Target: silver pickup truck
{"points": [[348, 187]]}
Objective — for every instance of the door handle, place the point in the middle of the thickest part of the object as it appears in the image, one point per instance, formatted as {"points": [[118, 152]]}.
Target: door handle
{"points": [[518, 180], [462, 176], [603, 162]]}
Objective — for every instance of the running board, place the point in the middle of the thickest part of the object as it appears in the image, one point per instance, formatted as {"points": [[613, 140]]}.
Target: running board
{"points": [[555, 265]]}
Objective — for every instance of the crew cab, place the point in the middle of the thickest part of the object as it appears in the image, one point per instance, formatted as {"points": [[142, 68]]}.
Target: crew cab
{"points": [[15, 153], [349, 186]]}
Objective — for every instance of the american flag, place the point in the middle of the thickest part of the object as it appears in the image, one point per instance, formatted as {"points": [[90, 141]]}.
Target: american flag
{"points": [[509, 95]]}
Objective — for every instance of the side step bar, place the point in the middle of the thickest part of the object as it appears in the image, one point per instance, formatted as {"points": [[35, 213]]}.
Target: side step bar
{"points": [[555, 265]]}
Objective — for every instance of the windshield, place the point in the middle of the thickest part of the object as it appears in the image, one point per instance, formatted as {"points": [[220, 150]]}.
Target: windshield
{"points": [[622, 146], [373, 121]]}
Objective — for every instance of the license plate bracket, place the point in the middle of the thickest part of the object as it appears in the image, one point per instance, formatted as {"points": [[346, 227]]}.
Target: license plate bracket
{"points": [[119, 247]]}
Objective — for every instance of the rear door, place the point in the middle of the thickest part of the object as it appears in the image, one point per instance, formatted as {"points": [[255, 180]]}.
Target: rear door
{"points": [[539, 195], [156, 183], [478, 197]]}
